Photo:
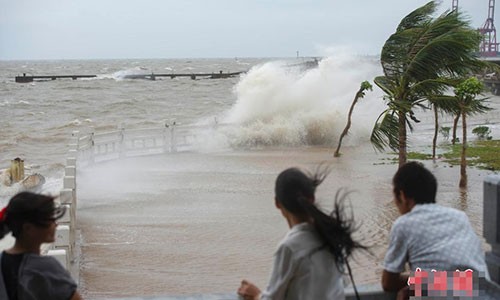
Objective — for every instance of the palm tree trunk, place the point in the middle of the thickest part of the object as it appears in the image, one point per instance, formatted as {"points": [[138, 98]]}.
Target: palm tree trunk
{"points": [[463, 160], [348, 125], [455, 125], [402, 138], [436, 126]]}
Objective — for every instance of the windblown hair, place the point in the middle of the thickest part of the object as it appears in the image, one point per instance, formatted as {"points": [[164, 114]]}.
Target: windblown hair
{"points": [[27, 207], [416, 182], [295, 190]]}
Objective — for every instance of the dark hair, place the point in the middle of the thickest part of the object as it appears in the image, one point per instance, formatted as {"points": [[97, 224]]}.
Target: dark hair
{"points": [[416, 182], [27, 207], [295, 191]]}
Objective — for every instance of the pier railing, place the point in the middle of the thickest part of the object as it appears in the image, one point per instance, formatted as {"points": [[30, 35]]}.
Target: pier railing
{"points": [[121, 143], [65, 248]]}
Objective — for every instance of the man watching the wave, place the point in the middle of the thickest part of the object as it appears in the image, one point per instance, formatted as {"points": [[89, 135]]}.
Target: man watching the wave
{"points": [[427, 236]]}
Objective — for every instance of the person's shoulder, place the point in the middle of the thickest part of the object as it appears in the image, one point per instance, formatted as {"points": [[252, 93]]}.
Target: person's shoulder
{"points": [[451, 212], [403, 220], [43, 262], [302, 237]]}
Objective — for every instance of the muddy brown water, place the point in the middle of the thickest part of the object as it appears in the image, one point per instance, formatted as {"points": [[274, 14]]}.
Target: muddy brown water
{"points": [[191, 223]]}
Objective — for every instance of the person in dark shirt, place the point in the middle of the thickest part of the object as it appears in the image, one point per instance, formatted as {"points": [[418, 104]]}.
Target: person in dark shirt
{"points": [[25, 274]]}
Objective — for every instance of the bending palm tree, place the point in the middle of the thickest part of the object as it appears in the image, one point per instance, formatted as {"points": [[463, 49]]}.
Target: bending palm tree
{"points": [[467, 104], [419, 61], [365, 85]]}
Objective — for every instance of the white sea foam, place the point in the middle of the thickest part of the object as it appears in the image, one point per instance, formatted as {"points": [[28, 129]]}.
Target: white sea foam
{"points": [[75, 122], [278, 105], [123, 74], [51, 186]]}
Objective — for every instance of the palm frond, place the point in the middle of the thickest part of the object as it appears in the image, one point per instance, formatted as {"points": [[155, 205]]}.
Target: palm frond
{"points": [[418, 16], [444, 47], [385, 133], [446, 103], [385, 85], [477, 106]]}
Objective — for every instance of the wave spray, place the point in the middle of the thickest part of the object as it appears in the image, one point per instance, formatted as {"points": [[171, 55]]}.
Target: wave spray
{"points": [[280, 105]]}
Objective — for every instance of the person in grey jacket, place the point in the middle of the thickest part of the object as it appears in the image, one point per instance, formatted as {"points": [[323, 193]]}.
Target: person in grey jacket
{"points": [[24, 273], [309, 262]]}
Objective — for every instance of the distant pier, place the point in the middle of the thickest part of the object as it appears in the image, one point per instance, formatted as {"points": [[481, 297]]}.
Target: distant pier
{"points": [[220, 75], [30, 78]]}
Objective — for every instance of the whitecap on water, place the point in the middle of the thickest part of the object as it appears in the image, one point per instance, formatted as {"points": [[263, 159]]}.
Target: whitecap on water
{"points": [[75, 122], [123, 74]]}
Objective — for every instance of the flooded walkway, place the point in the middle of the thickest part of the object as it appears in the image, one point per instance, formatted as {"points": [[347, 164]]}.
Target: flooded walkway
{"points": [[193, 223]]}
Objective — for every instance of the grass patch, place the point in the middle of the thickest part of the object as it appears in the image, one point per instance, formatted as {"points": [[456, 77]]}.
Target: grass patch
{"points": [[480, 154], [418, 155]]}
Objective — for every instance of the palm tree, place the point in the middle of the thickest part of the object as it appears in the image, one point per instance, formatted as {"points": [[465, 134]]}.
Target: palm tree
{"points": [[467, 104], [444, 104], [456, 118], [365, 85], [418, 61]]}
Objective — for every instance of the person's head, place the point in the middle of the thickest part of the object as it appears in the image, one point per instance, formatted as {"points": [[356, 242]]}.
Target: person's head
{"points": [[413, 182], [30, 213], [294, 190]]}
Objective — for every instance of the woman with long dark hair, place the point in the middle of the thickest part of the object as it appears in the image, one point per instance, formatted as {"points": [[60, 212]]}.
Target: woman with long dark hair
{"points": [[309, 262], [24, 273]]}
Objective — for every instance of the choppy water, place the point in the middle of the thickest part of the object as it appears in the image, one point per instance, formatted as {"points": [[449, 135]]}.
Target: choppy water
{"points": [[200, 222]]}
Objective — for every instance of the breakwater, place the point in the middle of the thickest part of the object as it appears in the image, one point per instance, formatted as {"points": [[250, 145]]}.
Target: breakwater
{"points": [[152, 76]]}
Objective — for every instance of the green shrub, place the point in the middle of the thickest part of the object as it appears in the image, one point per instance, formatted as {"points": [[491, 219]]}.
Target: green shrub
{"points": [[445, 131], [482, 132]]}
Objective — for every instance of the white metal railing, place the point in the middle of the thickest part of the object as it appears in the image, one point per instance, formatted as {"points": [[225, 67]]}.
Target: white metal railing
{"points": [[121, 143], [64, 248], [94, 147]]}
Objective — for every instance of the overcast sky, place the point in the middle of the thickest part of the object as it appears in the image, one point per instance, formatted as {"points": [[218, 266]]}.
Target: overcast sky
{"points": [[82, 29]]}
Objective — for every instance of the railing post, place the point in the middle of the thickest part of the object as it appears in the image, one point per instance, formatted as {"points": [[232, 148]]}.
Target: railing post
{"points": [[491, 226], [75, 135], [92, 148], [166, 146], [73, 144], [123, 148], [173, 147]]}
